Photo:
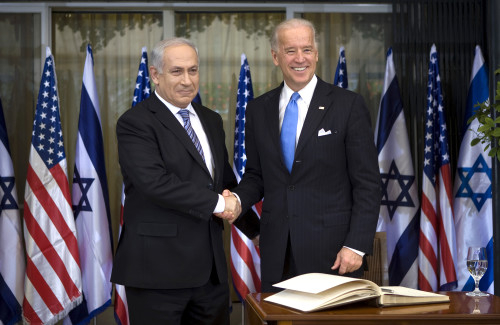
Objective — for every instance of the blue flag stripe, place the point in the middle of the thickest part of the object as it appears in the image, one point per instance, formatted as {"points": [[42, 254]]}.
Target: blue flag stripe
{"points": [[406, 252], [10, 309], [391, 107], [479, 94]]}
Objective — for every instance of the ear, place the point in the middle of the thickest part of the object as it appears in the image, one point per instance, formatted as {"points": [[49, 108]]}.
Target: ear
{"points": [[275, 58], [153, 73]]}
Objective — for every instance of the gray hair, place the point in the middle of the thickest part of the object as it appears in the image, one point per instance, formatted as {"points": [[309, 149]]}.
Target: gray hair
{"points": [[291, 23], [157, 53]]}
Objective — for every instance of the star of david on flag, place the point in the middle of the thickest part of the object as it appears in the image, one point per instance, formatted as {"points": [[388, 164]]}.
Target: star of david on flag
{"points": [[340, 78], [53, 282], [245, 257], [12, 265], [398, 215], [437, 245], [473, 196]]}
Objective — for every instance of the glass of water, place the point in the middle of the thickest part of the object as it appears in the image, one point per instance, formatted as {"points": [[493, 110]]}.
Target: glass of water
{"points": [[477, 264]]}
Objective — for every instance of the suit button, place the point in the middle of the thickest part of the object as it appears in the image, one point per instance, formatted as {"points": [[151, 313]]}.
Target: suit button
{"points": [[291, 187], [210, 186]]}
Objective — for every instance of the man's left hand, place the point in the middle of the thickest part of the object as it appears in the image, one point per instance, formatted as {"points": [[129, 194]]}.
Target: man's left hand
{"points": [[347, 261]]}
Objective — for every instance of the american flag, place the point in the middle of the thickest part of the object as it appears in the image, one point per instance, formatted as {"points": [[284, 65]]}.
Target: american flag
{"points": [[91, 205], [473, 186], [12, 265], [340, 78], [245, 257], [399, 207], [53, 282], [142, 91], [437, 251]]}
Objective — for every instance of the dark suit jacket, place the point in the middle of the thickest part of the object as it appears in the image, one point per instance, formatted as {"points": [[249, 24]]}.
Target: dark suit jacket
{"points": [[169, 236], [331, 199]]}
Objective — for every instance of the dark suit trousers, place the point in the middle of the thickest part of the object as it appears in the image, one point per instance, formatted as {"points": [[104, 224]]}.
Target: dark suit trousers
{"points": [[289, 270], [208, 304]]}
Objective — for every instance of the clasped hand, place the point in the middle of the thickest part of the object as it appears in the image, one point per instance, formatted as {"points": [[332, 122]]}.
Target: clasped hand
{"points": [[232, 208]]}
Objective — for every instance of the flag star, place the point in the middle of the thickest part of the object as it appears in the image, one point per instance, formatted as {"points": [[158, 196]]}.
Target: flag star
{"points": [[54, 98], [146, 90], [341, 72], [49, 161], [60, 143], [40, 147], [246, 81], [427, 149], [244, 157], [428, 136], [51, 150], [137, 86], [242, 171], [41, 136], [247, 93], [235, 155], [53, 108], [441, 138], [45, 94], [44, 105], [429, 111], [440, 108], [139, 73], [43, 115], [429, 123], [51, 140], [445, 157], [47, 73], [135, 99], [143, 60], [59, 154], [42, 126], [340, 84], [53, 120], [46, 84]]}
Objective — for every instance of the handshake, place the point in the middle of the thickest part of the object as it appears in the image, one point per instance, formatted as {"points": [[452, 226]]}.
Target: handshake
{"points": [[232, 208]]}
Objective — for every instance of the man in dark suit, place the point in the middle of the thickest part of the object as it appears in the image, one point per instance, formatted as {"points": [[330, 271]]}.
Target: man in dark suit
{"points": [[170, 256], [321, 200]]}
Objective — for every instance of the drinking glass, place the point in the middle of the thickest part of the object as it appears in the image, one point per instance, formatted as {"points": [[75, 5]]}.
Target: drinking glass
{"points": [[477, 264]]}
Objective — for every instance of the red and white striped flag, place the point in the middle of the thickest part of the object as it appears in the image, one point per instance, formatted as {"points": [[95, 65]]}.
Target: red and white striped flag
{"points": [[53, 283], [141, 91], [437, 246], [245, 257]]}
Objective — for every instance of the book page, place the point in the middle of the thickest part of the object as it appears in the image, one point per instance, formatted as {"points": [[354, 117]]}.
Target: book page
{"points": [[407, 296], [318, 282]]}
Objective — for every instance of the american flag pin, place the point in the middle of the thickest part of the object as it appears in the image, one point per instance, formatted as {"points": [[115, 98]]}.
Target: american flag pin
{"points": [[321, 107]]}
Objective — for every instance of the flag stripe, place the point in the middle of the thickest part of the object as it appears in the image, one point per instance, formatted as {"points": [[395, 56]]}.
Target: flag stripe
{"points": [[42, 287], [388, 117], [245, 254], [52, 210], [49, 252], [30, 314]]}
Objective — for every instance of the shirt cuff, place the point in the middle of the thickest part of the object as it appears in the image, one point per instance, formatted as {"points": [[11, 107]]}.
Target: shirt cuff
{"points": [[221, 205], [356, 251]]}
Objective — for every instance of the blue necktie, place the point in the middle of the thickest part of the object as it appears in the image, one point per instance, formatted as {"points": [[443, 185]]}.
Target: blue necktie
{"points": [[289, 131], [190, 131]]}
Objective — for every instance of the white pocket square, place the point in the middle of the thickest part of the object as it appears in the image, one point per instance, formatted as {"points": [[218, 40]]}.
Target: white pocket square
{"points": [[322, 132]]}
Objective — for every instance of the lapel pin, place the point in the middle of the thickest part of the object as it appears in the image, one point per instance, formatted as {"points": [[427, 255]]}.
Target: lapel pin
{"points": [[321, 107]]}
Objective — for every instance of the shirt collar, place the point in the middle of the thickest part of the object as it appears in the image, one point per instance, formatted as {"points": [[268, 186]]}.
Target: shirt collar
{"points": [[174, 109], [305, 93]]}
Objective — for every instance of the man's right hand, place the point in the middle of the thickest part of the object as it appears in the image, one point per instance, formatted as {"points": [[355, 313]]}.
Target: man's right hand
{"points": [[232, 208]]}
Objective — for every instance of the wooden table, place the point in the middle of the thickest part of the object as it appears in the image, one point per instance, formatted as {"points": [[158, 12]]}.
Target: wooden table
{"points": [[461, 310]]}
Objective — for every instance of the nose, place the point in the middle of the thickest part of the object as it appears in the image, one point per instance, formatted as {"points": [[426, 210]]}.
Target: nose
{"points": [[186, 78], [300, 56]]}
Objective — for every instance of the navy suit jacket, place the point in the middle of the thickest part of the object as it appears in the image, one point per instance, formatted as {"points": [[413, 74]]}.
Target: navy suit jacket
{"points": [[332, 196], [169, 238]]}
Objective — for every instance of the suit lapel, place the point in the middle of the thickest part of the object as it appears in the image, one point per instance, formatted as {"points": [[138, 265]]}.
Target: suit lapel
{"points": [[217, 151], [320, 104], [166, 118], [272, 113]]}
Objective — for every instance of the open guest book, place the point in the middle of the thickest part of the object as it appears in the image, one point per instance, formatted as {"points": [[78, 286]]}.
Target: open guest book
{"points": [[316, 291]]}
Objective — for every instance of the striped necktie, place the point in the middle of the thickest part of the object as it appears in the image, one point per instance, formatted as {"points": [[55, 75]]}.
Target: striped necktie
{"points": [[190, 131]]}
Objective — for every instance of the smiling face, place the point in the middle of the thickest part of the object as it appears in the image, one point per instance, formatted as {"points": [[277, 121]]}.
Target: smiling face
{"points": [[179, 80], [296, 56]]}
